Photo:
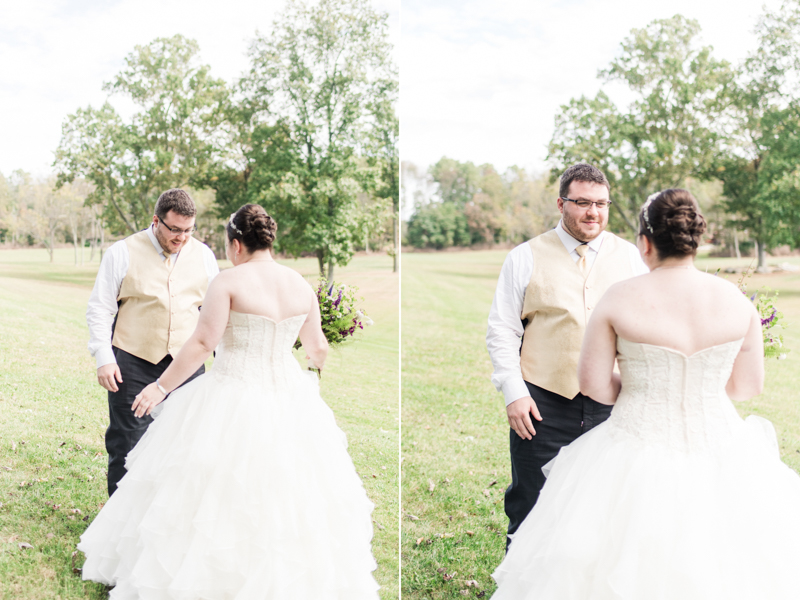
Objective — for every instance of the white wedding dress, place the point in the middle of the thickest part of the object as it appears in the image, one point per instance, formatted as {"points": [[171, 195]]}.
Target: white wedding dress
{"points": [[675, 497], [241, 489]]}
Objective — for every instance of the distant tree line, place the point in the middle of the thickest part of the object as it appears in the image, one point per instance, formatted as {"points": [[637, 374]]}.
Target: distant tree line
{"points": [[310, 132], [731, 133]]}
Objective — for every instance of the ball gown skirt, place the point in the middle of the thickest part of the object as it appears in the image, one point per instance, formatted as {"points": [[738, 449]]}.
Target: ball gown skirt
{"points": [[675, 497], [241, 489]]}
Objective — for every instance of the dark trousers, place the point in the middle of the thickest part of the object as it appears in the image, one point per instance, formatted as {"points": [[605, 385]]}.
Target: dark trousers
{"points": [[563, 421], [124, 429]]}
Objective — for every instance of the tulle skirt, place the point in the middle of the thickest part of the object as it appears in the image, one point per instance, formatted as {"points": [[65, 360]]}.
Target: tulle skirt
{"points": [[237, 493], [621, 519]]}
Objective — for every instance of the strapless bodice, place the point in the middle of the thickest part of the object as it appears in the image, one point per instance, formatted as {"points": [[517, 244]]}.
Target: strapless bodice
{"points": [[258, 349], [674, 399]]}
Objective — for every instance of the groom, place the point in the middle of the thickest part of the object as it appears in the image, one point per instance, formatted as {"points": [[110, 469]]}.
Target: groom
{"points": [[547, 289], [144, 306]]}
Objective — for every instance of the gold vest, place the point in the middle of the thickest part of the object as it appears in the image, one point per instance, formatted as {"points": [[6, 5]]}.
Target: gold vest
{"points": [[159, 305], [558, 304]]}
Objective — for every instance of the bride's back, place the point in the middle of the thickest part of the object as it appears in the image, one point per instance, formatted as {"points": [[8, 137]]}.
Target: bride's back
{"points": [[680, 308], [270, 290]]}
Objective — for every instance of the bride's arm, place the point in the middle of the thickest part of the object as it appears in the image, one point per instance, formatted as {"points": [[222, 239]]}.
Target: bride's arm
{"points": [[312, 337], [747, 376], [210, 327], [596, 375]]}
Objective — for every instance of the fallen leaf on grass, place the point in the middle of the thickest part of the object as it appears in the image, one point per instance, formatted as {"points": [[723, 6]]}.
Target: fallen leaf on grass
{"points": [[62, 444], [75, 511], [420, 540], [24, 546], [60, 478], [481, 594], [13, 538], [431, 485], [441, 570], [378, 525], [493, 483], [450, 576], [7, 468], [471, 583], [470, 533], [412, 517], [50, 536], [464, 592], [487, 493]]}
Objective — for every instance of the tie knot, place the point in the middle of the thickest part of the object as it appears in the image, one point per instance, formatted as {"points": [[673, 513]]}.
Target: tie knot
{"points": [[582, 250]]}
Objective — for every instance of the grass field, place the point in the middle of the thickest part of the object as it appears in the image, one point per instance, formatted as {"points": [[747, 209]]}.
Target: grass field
{"points": [[455, 433], [53, 417]]}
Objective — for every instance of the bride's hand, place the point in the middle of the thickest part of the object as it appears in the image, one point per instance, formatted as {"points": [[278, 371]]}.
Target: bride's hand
{"points": [[147, 400]]}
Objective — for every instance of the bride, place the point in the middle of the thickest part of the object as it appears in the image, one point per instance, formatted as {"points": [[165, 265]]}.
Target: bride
{"points": [[242, 488], [675, 496]]}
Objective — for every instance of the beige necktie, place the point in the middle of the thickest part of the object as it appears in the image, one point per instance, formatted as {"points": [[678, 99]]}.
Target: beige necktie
{"points": [[168, 261], [582, 250]]}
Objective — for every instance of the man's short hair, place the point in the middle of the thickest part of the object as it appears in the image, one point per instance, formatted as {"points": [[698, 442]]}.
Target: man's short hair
{"points": [[176, 200], [581, 172]]}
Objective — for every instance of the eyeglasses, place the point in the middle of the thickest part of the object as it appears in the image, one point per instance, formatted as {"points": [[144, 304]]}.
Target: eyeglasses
{"points": [[175, 230], [601, 205]]}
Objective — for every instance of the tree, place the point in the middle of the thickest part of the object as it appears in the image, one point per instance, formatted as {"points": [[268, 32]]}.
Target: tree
{"points": [[318, 74], [667, 133], [168, 143], [759, 158]]}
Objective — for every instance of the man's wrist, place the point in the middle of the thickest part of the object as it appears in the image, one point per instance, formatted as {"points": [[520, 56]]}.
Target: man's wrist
{"points": [[514, 389], [105, 356]]}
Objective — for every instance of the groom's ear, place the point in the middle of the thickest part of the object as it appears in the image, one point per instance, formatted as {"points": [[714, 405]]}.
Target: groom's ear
{"points": [[560, 205]]}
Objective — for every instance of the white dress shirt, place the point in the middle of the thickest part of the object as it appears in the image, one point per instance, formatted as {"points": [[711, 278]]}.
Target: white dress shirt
{"points": [[103, 301], [504, 334]]}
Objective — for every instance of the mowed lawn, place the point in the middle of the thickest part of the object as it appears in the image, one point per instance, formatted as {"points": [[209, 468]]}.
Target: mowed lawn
{"points": [[53, 416], [454, 428]]}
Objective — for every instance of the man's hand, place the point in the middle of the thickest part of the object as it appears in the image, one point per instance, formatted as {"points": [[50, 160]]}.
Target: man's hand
{"points": [[147, 400], [519, 416], [108, 376]]}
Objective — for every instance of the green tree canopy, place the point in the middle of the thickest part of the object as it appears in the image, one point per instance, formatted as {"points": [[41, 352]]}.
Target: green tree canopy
{"points": [[666, 135], [168, 143]]}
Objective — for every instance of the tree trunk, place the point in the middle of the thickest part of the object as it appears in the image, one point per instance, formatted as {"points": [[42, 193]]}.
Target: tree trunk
{"points": [[762, 257], [396, 224], [736, 244], [83, 243], [75, 242], [330, 270], [51, 247], [321, 261]]}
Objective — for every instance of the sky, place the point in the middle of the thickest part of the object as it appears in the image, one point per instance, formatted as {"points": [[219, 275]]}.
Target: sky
{"points": [[482, 81], [55, 56]]}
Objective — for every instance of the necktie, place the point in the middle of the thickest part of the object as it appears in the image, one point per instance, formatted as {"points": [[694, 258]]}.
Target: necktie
{"points": [[168, 261], [582, 250]]}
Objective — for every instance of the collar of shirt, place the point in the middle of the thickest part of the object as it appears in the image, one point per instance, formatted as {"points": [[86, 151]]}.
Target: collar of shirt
{"points": [[151, 234], [570, 243]]}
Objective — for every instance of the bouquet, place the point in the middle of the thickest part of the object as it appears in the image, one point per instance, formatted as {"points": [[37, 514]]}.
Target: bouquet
{"points": [[337, 307], [770, 317]]}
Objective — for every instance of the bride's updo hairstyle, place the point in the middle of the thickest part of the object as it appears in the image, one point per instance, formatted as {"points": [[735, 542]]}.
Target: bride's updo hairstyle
{"points": [[253, 227], [671, 220]]}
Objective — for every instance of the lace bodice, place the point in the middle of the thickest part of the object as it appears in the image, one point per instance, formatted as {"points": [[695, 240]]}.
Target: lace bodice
{"points": [[674, 399], [258, 349]]}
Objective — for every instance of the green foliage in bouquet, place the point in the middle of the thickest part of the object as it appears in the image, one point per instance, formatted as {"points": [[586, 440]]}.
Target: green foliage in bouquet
{"points": [[770, 318], [337, 307]]}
